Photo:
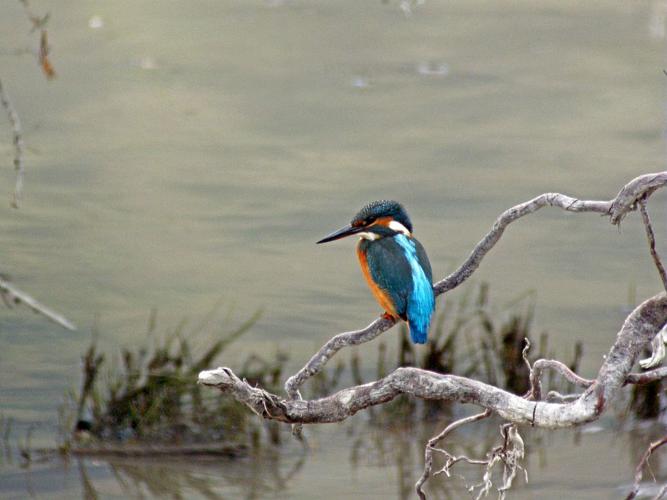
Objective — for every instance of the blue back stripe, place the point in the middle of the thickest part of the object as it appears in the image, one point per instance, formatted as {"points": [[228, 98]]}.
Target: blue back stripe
{"points": [[421, 301]]}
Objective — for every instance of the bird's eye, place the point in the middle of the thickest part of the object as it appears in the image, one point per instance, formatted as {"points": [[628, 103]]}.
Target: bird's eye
{"points": [[364, 222]]}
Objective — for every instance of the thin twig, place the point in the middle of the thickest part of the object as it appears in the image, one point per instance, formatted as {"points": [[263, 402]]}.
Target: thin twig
{"points": [[542, 364], [557, 397], [647, 377], [17, 136], [651, 242], [524, 353], [639, 470], [12, 295], [431, 446]]}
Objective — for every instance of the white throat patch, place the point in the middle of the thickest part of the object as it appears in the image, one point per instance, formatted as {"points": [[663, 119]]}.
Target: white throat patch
{"points": [[399, 228], [369, 236]]}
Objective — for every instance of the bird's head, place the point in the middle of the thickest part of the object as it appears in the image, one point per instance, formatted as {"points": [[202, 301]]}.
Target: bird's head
{"points": [[376, 220]]}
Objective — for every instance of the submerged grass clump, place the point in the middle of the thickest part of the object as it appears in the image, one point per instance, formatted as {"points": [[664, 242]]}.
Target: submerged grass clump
{"points": [[151, 396]]}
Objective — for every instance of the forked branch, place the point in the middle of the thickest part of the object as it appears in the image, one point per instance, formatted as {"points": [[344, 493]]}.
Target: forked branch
{"points": [[639, 471], [450, 459], [541, 364], [651, 242], [625, 201], [640, 327]]}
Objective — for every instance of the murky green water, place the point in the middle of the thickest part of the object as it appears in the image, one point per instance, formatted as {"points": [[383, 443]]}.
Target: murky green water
{"points": [[194, 151]]}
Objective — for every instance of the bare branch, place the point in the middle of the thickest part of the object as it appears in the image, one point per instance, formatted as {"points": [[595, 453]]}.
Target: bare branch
{"points": [[314, 366], [557, 411], [658, 351], [557, 397], [651, 242], [509, 454], [451, 459], [638, 188], [639, 327], [506, 218], [616, 208], [17, 135], [639, 470], [524, 354], [646, 377], [541, 364], [12, 295]]}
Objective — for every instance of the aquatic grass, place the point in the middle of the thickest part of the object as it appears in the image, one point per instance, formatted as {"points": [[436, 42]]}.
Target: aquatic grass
{"points": [[150, 394]]}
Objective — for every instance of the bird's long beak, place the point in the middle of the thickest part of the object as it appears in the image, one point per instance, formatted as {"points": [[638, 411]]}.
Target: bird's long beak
{"points": [[341, 233]]}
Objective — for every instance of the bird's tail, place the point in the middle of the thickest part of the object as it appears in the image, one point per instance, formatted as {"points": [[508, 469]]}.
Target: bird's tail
{"points": [[418, 331]]}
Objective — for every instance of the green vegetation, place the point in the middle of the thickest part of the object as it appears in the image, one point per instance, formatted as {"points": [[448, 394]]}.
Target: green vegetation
{"points": [[150, 395]]}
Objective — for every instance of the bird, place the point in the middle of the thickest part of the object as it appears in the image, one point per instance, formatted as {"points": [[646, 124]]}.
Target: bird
{"points": [[394, 264]]}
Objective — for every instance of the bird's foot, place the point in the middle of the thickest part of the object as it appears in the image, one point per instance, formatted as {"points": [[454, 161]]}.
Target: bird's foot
{"points": [[386, 315]]}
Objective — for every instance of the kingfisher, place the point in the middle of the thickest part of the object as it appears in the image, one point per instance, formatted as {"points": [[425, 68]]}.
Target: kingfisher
{"points": [[394, 264]]}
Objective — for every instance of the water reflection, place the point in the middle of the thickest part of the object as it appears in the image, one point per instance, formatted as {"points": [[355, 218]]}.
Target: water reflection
{"points": [[261, 475], [349, 459]]}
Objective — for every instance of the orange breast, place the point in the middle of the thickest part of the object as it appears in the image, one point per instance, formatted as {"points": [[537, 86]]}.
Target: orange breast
{"points": [[380, 295]]}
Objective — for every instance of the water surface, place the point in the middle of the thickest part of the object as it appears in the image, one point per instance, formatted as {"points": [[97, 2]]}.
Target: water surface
{"points": [[191, 152]]}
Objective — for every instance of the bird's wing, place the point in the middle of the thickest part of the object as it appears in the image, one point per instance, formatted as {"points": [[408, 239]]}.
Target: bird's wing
{"points": [[391, 271], [421, 301], [422, 258]]}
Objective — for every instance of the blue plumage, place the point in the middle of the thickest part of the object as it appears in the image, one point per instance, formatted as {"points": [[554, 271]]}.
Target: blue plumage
{"points": [[398, 266], [394, 264], [421, 301]]}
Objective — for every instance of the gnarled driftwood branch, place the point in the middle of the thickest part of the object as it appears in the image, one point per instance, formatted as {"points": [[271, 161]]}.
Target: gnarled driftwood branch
{"points": [[616, 209], [640, 327]]}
